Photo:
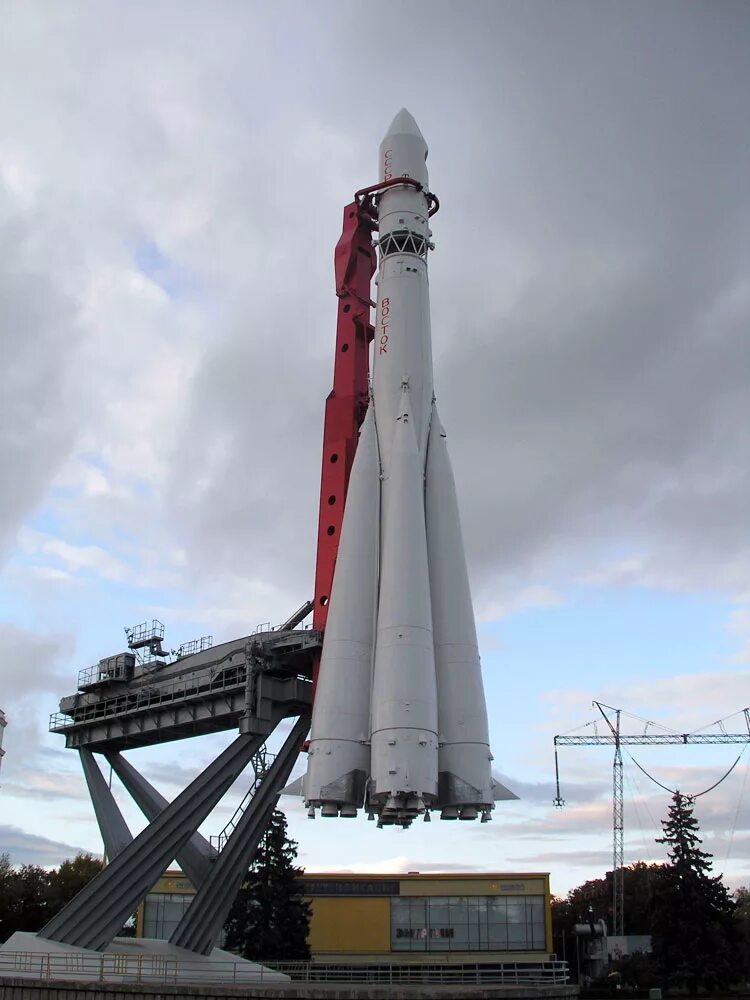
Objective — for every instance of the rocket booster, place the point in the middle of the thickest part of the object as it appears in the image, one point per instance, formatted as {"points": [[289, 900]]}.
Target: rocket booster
{"points": [[399, 722]]}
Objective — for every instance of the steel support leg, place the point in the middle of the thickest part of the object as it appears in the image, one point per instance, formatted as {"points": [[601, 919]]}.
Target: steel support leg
{"points": [[618, 844], [100, 909], [201, 925], [112, 826], [196, 856]]}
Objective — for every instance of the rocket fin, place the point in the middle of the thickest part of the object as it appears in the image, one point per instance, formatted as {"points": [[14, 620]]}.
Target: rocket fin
{"points": [[404, 702], [294, 787], [465, 781], [339, 755], [501, 792]]}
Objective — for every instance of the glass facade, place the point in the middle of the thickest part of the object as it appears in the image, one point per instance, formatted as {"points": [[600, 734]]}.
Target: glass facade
{"points": [[162, 912], [468, 923]]}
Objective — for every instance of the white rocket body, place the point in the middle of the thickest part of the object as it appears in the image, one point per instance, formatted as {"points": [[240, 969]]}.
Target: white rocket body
{"points": [[399, 721]]}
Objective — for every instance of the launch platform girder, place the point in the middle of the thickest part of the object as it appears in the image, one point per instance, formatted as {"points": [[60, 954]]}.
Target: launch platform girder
{"points": [[253, 685], [241, 684]]}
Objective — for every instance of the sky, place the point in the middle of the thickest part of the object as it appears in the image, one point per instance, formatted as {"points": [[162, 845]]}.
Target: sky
{"points": [[172, 179]]}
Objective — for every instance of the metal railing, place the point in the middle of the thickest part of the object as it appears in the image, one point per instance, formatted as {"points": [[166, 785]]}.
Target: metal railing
{"points": [[124, 968], [149, 695], [113, 668], [550, 973], [144, 632], [163, 968], [194, 646], [261, 762]]}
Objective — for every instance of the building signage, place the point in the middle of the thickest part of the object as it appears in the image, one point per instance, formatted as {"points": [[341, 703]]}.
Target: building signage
{"points": [[349, 887], [422, 933]]}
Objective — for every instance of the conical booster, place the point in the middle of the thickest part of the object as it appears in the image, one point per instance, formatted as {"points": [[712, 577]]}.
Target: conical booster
{"points": [[339, 755]]}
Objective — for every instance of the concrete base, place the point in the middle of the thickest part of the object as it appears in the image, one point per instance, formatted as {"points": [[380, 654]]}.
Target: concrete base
{"points": [[127, 960]]}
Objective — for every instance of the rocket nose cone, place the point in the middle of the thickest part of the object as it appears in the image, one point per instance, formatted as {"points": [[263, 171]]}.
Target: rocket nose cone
{"points": [[403, 151], [404, 124]]}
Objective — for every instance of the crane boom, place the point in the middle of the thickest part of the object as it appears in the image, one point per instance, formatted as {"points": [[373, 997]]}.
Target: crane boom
{"points": [[651, 739], [617, 739]]}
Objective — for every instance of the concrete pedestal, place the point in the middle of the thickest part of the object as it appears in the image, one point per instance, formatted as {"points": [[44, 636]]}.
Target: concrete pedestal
{"points": [[127, 960]]}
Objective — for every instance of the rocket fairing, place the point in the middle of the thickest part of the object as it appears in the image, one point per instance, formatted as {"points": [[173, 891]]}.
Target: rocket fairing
{"points": [[399, 722]]}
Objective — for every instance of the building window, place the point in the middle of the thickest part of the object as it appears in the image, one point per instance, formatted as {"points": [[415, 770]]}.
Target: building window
{"points": [[468, 923], [162, 912]]}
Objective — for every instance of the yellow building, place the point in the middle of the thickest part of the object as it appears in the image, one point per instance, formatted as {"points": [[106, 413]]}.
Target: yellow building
{"points": [[415, 918], [436, 918]]}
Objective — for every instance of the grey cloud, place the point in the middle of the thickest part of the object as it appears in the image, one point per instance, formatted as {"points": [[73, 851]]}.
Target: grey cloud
{"points": [[31, 849], [30, 662], [37, 339], [170, 773], [587, 289], [41, 791], [30, 666], [606, 397], [545, 791], [428, 867], [576, 859], [589, 284]]}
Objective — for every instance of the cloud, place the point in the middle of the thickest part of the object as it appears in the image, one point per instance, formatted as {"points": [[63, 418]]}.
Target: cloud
{"points": [[577, 859], [545, 791], [38, 340], [77, 558], [42, 786], [30, 666], [739, 623], [32, 849], [30, 662], [399, 865], [527, 598], [590, 360], [168, 292], [684, 701]]}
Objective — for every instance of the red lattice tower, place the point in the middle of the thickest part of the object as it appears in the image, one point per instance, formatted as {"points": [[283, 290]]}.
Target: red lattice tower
{"points": [[346, 405]]}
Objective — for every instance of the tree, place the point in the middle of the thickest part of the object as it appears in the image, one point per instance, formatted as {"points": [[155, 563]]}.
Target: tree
{"points": [[24, 898], [270, 919], [742, 916], [742, 902], [695, 935], [639, 884], [68, 880], [30, 895]]}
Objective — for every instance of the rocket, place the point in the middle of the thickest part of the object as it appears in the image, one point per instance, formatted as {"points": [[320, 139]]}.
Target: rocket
{"points": [[399, 723]]}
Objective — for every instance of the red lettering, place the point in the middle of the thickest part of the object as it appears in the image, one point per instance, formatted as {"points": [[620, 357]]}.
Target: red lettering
{"points": [[388, 164], [385, 311]]}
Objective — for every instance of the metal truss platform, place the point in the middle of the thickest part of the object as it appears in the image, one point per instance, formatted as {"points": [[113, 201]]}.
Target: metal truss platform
{"points": [[143, 697], [238, 684]]}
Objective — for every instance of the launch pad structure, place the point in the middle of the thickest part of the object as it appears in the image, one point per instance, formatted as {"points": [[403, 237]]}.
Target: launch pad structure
{"points": [[425, 680], [255, 684]]}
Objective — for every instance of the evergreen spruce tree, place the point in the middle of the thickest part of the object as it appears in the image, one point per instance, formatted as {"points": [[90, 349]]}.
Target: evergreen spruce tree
{"points": [[694, 932], [269, 919]]}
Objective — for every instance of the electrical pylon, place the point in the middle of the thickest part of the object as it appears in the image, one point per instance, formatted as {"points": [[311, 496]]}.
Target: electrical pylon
{"points": [[617, 739]]}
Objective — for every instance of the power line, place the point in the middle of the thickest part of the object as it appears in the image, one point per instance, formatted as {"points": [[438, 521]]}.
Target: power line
{"points": [[653, 734]]}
